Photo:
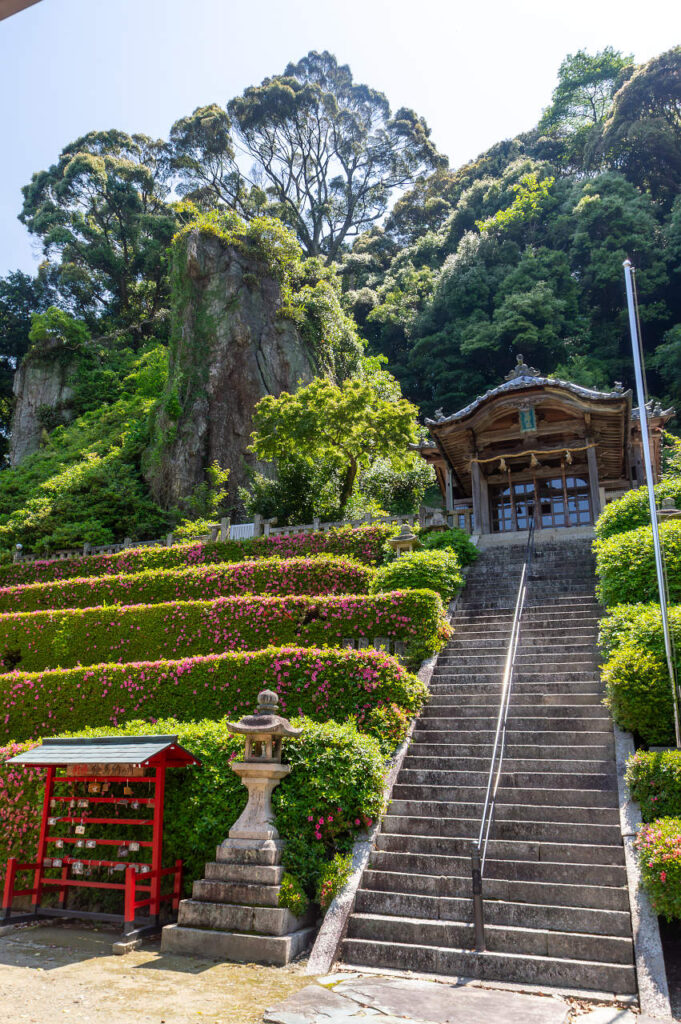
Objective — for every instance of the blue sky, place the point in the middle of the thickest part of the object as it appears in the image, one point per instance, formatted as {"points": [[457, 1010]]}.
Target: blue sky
{"points": [[477, 71]]}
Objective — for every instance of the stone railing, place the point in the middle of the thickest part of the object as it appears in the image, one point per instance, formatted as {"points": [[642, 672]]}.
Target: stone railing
{"points": [[226, 530]]}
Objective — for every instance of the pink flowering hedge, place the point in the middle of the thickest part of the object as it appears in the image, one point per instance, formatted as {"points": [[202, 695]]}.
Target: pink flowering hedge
{"points": [[34, 641], [654, 780], [364, 543], [659, 851], [319, 574], [334, 789], [369, 686]]}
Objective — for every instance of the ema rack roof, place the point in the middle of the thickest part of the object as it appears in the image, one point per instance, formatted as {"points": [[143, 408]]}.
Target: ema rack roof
{"points": [[132, 750]]}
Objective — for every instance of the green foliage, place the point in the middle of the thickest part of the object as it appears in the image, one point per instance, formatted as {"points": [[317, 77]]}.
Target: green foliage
{"points": [[292, 895], [338, 789], [399, 491], [363, 543], [343, 427], [349, 152], [636, 676], [322, 574], [37, 640], [456, 541], [56, 328], [659, 851], [332, 878], [625, 564], [319, 683], [530, 195], [432, 570], [633, 509], [654, 780]]}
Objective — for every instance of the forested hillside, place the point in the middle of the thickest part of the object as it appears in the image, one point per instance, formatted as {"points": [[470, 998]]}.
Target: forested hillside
{"points": [[447, 272]]}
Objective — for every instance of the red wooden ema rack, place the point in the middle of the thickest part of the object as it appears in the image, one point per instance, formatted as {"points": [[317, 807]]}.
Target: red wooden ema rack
{"points": [[86, 780]]}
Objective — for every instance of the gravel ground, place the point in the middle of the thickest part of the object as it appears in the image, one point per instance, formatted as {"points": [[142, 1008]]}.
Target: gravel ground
{"points": [[65, 973]]}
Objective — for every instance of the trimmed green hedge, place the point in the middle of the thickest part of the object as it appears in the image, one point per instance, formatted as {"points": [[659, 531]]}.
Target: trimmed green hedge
{"points": [[369, 686], [435, 570], [365, 543], [636, 678], [659, 852], [625, 564], [321, 574], [654, 779], [337, 774], [632, 510], [456, 541], [34, 641]]}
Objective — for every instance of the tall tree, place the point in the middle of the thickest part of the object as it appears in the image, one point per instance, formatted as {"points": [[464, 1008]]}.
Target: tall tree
{"points": [[642, 138], [582, 100], [328, 150], [102, 215], [202, 154]]}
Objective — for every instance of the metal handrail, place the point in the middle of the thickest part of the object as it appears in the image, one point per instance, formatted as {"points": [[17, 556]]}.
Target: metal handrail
{"points": [[479, 851]]}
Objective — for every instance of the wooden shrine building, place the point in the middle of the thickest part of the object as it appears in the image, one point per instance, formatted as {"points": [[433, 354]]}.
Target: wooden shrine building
{"points": [[539, 445]]}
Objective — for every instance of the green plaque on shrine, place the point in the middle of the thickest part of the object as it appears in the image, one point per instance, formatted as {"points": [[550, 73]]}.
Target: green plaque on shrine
{"points": [[528, 421]]}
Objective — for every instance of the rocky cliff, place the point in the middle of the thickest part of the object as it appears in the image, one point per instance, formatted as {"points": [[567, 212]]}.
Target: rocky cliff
{"points": [[231, 345], [42, 399]]}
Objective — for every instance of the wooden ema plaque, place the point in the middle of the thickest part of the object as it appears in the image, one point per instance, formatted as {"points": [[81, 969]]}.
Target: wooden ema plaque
{"points": [[101, 828]]}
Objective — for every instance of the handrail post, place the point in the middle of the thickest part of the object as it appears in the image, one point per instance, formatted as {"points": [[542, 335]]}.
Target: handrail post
{"points": [[478, 910]]}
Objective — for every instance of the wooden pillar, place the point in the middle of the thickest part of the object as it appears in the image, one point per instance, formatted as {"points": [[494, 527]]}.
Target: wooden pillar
{"points": [[449, 492], [480, 499], [594, 486]]}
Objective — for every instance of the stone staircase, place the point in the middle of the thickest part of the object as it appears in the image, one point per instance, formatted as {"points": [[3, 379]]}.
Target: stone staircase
{"points": [[555, 888]]}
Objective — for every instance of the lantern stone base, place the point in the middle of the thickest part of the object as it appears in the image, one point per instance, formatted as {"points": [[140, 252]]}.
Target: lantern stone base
{"points": [[234, 912]]}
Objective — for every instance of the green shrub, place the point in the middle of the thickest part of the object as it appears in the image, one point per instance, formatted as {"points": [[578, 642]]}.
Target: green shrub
{"points": [[321, 574], [331, 766], [455, 540], [318, 683], [333, 876], [435, 570], [637, 623], [625, 564], [365, 543], [34, 641], [338, 790], [292, 895], [632, 509], [659, 851], [654, 779], [638, 693]]}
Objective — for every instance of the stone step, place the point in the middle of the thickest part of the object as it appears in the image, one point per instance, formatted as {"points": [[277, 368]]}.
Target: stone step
{"points": [[238, 946], [236, 892], [261, 874], [511, 781], [599, 752], [418, 762], [595, 897], [519, 699], [528, 796], [226, 917], [551, 872], [510, 967], [514, 737], [545, 711], [593, 836], [553, 918], [537, 725], [550, 814], [560, 851], [609, 949], [442, 686]]}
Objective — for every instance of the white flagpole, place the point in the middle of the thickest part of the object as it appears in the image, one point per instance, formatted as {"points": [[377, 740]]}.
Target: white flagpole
{"points": [[650, 479]]}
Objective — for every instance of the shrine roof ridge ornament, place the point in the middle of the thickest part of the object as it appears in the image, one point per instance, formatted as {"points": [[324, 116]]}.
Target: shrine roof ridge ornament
{"points": [[523, 377]]}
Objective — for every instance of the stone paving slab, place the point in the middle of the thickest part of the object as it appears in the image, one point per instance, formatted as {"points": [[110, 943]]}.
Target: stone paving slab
{"points": [[608, 1015], [385, 999]]}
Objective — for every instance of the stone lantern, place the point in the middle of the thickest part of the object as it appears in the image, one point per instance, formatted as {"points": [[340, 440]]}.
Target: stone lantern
{"points": [[668, 511], [261, 770], [234, 911], [404, 542]]}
